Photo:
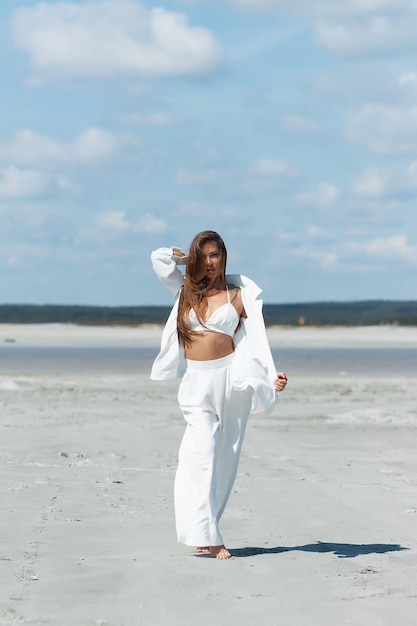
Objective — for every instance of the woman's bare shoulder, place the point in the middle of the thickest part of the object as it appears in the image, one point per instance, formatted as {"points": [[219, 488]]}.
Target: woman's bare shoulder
{"points": [[236, 299], [234, 290]]}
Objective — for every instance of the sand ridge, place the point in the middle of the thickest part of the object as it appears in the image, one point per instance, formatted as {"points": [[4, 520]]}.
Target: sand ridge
{"points": [[148, 335]]}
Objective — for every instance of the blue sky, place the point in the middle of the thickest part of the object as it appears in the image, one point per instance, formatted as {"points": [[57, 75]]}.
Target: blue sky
{"points": [[289, 126]]}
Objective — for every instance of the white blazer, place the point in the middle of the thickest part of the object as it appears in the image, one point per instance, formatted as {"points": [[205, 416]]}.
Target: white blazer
{"points": [[252, 369]]}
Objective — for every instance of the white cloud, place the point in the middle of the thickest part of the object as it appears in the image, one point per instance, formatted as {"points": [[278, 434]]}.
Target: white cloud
{"points": [[66, 184], [396, 247], [264, 176], [109, 39], [371, 183], [18, 183], [25, 255], [325, 196], [408, 78], [28, 148], [384, 128], [201, 177], [94, 145], [382, 182], [150, 118], [225, 213], [150, 224], [287, 236], [369, 35], [325, 259], [322, 7], [112, 220], [411, 174], [274, 167], [298, 124], [114, 224], [317, 234], [350, 27]]}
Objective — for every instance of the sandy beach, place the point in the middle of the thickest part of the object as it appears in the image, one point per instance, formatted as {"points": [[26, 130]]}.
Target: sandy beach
{"points": [[56, 335], [321, 522]]}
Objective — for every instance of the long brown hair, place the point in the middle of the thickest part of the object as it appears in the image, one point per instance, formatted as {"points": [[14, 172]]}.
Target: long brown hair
{"points": [[196, 284]]}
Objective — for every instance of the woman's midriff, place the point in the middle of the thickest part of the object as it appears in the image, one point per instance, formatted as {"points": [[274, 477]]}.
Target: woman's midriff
{"points": [[208, 346]]}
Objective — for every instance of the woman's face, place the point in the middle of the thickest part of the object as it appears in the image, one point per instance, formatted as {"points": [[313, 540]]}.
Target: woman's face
{"points": [[212, 261]]}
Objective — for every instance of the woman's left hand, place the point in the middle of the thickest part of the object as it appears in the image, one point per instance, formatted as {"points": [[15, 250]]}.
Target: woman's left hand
{"points": [[280, 381]]}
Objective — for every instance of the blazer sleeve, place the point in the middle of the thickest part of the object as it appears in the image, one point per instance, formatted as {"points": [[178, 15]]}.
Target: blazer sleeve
{"points": [[253, 366], [165, 264], [170, 362]]}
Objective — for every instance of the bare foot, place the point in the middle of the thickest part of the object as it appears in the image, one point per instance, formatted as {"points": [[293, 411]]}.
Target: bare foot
{"points": [[203, 550], [220, 552]]}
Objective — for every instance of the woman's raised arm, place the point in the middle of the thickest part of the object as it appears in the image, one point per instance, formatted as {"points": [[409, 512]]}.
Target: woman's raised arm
{"points": [[165, 263]]}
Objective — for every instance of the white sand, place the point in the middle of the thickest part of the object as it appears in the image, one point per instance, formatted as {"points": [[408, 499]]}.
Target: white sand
{"points": [[322, 521], [149, 335], [62, 335]]}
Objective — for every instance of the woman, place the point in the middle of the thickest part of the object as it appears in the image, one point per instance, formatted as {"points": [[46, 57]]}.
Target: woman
{"points": [[214, 340]]}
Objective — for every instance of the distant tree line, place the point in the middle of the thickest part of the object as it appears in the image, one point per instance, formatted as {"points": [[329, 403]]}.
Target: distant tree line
{"points": [[367, 313], [77, 314], [364, 313]]}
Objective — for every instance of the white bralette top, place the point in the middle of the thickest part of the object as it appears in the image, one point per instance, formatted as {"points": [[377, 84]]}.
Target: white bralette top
{"points": [[224, 319]]}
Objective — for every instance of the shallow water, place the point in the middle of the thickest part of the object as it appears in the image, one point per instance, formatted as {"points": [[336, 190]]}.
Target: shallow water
{"points": [[294, 360]]}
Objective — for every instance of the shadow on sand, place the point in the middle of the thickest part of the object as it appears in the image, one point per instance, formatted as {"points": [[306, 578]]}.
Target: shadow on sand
{"points": [[341, 550]]}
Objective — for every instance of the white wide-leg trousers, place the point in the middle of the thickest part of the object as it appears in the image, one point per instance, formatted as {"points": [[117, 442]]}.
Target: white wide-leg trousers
{"points": [[216, 417]]}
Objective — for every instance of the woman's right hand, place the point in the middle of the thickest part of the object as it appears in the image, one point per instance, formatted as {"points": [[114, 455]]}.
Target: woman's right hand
{"points": [[280, 381], [177, 252]]}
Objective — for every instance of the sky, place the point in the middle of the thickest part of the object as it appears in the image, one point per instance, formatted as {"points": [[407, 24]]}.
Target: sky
{"points": [[288, 126]]}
